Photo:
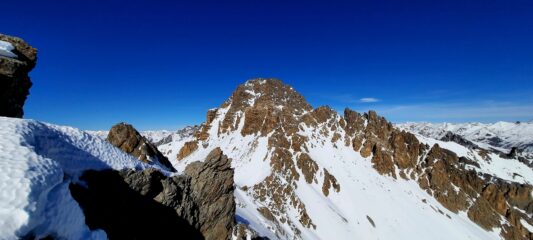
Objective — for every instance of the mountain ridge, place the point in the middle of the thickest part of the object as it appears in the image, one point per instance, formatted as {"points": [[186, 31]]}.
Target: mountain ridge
{"points": [[283, 146]]}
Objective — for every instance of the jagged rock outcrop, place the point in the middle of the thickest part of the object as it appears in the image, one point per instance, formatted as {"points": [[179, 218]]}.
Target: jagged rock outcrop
{"points": [[146, 204], [442, 173], [17, 59], [127, 138], [212, 188]]}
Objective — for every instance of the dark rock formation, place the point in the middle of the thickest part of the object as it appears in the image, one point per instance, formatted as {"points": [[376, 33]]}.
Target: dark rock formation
{"points": [[125, 137], [14, 80], [125, 204], [146, 204], [513, 153], [212, 189], [452, 137]]}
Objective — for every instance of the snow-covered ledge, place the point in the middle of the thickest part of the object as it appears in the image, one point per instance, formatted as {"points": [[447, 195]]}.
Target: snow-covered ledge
{"points": [[6, 48]]}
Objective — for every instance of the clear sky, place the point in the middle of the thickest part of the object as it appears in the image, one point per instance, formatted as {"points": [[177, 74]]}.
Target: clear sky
{"points": [[161, 65]]}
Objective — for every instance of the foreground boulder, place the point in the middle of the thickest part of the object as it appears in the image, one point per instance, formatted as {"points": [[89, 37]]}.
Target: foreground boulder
{"points": [[212, 190], [146, 204], [127, 138], [17, 59]]}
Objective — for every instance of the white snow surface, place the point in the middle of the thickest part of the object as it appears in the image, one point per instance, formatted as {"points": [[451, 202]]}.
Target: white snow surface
{"points": [[6, 49], [38, 161], [485, 135]]}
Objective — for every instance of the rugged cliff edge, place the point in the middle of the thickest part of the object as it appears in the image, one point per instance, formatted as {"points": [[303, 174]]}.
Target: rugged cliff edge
{"points": [[17, 59]]}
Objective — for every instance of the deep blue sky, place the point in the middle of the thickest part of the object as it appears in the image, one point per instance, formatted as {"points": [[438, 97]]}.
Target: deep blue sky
{"points": [[161, 65]]}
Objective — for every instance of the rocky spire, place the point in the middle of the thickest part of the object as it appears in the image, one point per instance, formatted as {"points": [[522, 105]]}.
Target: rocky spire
{"points": [[127, 138], [17, 59]]}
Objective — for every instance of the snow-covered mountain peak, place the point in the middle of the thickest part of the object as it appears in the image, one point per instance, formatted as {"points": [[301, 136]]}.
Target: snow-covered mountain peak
{"points": [[294, 165]]}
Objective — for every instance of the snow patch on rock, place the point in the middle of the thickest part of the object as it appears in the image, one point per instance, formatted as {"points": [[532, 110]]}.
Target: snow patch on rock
{"points": [[6, 49]]}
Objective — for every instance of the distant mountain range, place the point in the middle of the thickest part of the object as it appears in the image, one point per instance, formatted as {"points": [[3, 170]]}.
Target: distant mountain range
{"points": [[502, 136]]}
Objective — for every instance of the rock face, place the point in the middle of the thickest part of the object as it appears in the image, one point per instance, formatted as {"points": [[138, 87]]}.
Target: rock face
{"points": [[15, 64], [146, 204], [212, 188], [268, 109], [125, 137]]}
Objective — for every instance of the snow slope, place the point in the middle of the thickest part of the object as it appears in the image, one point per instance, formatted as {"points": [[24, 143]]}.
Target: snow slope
{"points": [[501, 135], [399, 209], [38, 161]]}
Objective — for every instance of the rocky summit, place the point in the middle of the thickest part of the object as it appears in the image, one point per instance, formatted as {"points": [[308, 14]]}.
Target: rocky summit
{"points": [[17, 59]]}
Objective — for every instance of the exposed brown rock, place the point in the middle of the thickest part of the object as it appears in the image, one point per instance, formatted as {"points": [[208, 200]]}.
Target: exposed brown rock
{"points": [[282, 163], [187, 149], [329, 181], [212, 188], [482, 214], [298, 143], [127, 138], [14, 80], [406, 149], [355, 123], [266, 213], [367, 149], [383, 161], [280, 196], [308, 167]]}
